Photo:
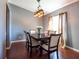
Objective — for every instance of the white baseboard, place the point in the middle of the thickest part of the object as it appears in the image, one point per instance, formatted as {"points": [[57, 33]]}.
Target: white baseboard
{"points": [[7, 48], [18, 41], [73, 49], [15, 42]]}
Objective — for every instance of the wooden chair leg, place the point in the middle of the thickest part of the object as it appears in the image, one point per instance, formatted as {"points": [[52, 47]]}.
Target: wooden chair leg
{"points": [[27, 47], [48, 55], [40, 51], [30, 51], [37, 49], [57, 55]]}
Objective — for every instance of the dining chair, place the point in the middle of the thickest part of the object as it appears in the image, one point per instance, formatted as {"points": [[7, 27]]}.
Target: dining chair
{"points": [[51, 45], [26, 39], [31, 43]]}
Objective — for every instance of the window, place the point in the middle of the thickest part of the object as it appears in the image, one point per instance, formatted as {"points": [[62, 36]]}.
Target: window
{"points": [[53, 23], [59, 24]]}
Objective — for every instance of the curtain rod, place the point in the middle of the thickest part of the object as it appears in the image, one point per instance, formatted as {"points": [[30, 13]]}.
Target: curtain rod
{"points": [[63, 13]]}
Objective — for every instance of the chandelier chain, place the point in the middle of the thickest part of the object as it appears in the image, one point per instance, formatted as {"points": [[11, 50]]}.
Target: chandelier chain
{"points": [[39, 12]]}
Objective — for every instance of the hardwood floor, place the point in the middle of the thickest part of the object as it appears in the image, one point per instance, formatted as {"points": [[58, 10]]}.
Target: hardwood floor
{"points": [[18, 51]]}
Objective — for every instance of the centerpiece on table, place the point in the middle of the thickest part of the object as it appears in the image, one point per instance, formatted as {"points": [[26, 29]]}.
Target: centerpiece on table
{"points": [[39, 29]]}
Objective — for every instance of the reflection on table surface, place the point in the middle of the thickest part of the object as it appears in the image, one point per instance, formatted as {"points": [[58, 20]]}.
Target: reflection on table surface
{"points": [[40, 36]]}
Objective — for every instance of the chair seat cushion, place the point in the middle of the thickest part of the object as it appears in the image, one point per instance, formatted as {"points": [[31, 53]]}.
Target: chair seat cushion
{"points": [[46, 47]]}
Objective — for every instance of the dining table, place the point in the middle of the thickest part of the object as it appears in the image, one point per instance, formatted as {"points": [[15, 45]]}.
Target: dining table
{"points": [[40, 37]]}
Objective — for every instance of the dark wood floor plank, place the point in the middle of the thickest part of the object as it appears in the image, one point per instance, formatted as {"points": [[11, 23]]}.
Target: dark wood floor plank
{"points": [[18, 51]]}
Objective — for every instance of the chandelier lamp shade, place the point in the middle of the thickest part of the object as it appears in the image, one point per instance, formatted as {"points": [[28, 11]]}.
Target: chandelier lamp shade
{"points": [[39, 12]]}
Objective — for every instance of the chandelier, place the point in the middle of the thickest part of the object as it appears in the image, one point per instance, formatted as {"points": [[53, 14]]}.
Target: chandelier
{"points": [[39, 12]]}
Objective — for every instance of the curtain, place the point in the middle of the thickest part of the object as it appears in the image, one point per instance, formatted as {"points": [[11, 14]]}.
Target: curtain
{"points": [[63, 28], [50, 23]]}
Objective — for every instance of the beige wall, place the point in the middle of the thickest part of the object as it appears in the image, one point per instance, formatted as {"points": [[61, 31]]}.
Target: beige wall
{"points": [[20, 20], [73, 23]]}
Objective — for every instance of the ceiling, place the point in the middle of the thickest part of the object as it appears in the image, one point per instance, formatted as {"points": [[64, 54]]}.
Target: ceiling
{"points": [[47, 5]]}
